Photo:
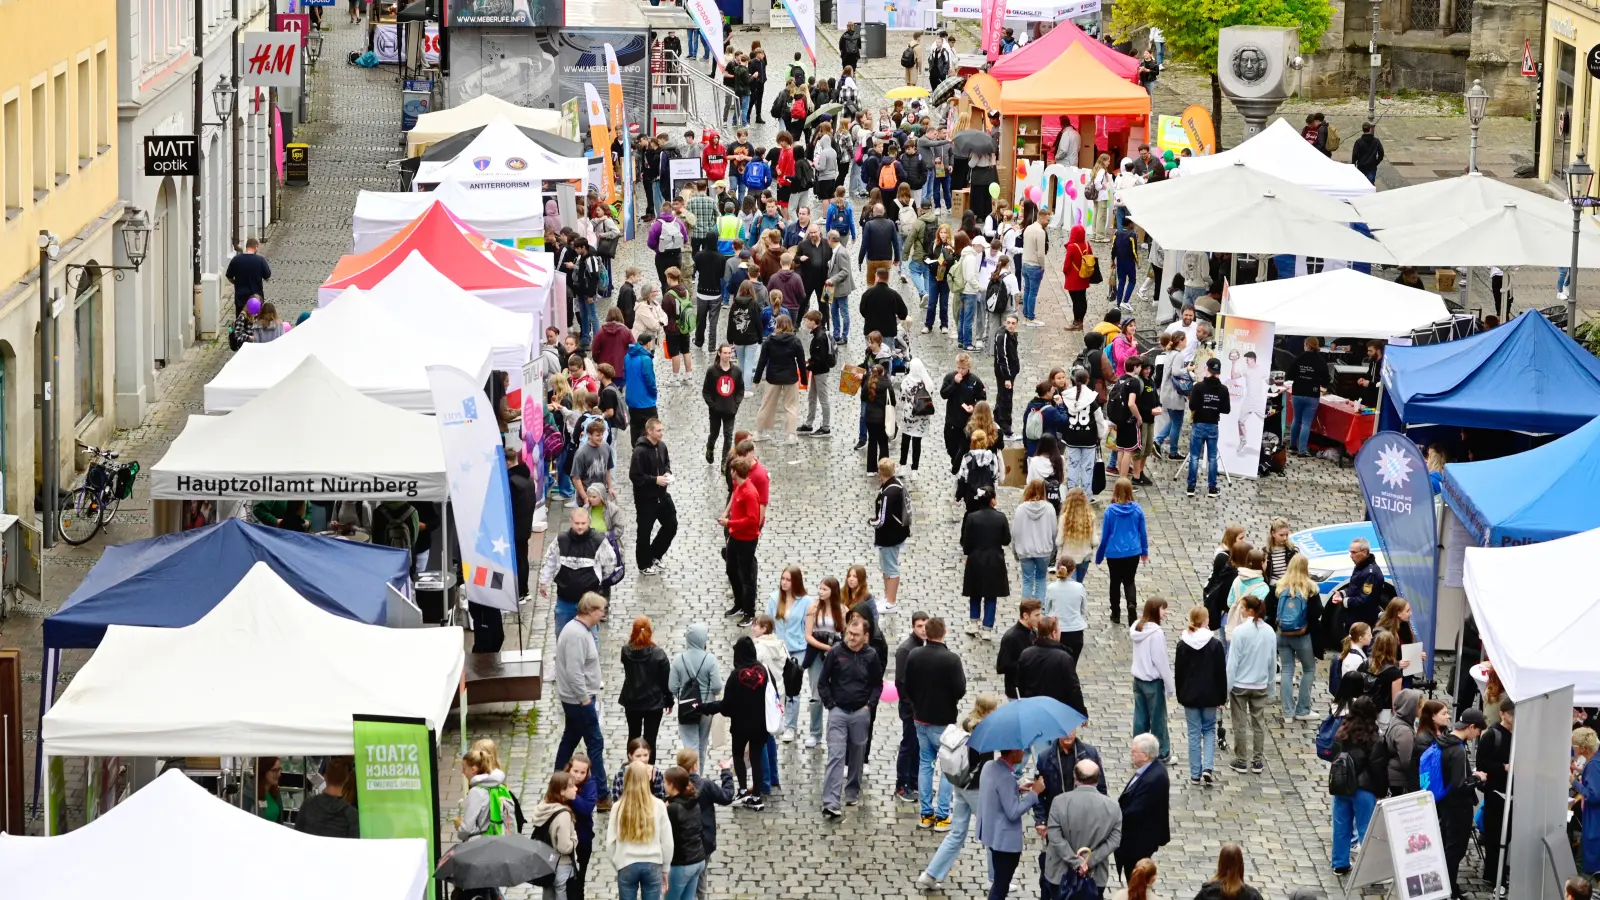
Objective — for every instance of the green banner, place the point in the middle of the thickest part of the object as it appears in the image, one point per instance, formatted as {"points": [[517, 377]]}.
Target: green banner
{"points": [[397, 788]]}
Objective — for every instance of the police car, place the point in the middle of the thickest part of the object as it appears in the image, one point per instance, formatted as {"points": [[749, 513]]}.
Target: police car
{"points": [[1327, 551]]}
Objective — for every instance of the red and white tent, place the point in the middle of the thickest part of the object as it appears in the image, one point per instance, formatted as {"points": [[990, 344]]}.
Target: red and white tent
{"points": [[517, 280]]}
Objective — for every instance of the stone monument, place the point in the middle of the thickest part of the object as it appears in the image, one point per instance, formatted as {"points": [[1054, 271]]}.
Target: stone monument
{"points": [[1253, 64]]}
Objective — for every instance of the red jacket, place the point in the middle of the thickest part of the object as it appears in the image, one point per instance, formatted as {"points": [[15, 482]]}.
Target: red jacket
{"points": [[1076, 248], [744, 513], [611, 345], [714, 159]]}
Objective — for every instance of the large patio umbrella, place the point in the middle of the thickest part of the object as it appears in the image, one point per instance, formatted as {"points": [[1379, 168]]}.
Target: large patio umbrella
{"points": [[1459, 196], [1260, 223], [1510, 235], [1225, 189]]}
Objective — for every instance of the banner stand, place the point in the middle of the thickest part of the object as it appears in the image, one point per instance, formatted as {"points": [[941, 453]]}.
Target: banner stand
{"points": [[1403, 845], [397, 782]]}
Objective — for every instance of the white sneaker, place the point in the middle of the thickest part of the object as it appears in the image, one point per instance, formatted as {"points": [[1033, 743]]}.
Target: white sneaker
{"points": [[972, 627], [787, 736], [988, 634], [571, 504], [888, 608], [757, 436], [811, 742]]}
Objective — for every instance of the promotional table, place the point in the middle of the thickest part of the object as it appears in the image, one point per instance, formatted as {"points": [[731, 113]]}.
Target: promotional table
{"points": [[1341, 421]]}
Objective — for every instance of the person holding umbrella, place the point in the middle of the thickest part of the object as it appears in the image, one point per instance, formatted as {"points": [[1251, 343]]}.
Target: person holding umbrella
{"points": [[1002, 803]]}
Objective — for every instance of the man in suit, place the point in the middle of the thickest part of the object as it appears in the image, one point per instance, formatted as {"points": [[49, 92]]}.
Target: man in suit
{"points": [[1081, 818], [1146, 825]]}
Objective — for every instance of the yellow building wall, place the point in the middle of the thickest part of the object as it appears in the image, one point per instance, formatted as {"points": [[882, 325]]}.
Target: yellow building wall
{"points": [[1574, 26]]}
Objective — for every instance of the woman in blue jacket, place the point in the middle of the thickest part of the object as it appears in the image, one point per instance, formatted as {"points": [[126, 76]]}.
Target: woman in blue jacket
{"points": [[1123, 543]]}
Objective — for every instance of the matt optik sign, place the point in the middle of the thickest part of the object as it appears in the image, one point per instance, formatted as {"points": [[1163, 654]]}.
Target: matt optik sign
{"points": [[171, 154]]}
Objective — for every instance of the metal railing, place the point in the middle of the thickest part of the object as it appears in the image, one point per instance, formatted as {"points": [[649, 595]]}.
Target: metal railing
{"points": [[703, 99]]}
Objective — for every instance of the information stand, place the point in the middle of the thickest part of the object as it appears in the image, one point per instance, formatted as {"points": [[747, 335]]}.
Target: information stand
{"points": [[1403, 846]]}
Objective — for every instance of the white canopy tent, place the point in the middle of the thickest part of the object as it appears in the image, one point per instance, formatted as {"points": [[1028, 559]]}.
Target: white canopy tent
{"points": [[172, 840], [264, 673], [308, 436], [364, 344], [1535, 654], [417, 292], [508, 216], [1343, 302], [502, 157], [1280, 150], [1467, 194], [480, 110]]}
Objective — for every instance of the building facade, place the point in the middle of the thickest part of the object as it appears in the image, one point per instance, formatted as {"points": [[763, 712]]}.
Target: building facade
{"points": [[58, 173], [1570, 101]]}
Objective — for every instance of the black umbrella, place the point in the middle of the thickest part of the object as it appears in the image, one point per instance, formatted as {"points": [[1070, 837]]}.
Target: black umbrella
{"points": [[825, 111], [973, 143], [947, 89], [451, 147], [495, 861]]}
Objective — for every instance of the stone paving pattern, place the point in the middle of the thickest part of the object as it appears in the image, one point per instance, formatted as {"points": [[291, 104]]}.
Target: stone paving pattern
{"points": [[820, 504]]}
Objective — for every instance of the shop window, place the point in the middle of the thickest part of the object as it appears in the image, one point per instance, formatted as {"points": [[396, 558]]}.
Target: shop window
{"points": [[86, 343]]}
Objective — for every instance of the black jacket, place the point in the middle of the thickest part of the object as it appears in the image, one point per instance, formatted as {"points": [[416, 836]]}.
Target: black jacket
{"points": [[782, 359], [901, 654], [524, 503], [882, 308], [1208, 401], [879, 241], [823, 352], [889, 525], [968, 391], [325, 815], [1057, 779], [1146, 816], [1017, 639], [1365, 594], [934, 682], [1372, 764], [814, 271], [1310, 374], [1201, 676], [1366, 153], [1462, 798], [1215, 593], [1007, 365], [644, 679], [985, 533], [688, 835], [649, 461], [744, 322], [712, 794], [1047, 669], [851, 679], [1212, 890], [877, 402], [723, 389], [850, 43]]}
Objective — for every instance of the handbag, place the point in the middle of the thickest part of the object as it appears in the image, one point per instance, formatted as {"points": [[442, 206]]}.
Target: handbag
{"points": [[891, 421], [774, 708], [607, 246], [1098, 482], [850, 378], [1095, 277]]}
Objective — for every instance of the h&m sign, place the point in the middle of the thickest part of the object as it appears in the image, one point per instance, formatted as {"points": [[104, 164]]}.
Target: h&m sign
{"points": [[171, 154]]}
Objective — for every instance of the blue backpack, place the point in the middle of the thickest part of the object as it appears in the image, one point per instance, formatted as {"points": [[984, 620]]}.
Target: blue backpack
{"points": [[1431, 772], [1291, 612], [757, 175]]}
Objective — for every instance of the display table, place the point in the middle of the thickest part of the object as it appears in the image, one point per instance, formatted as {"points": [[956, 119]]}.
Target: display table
{"points": [[510, 676], [1340, 420]]}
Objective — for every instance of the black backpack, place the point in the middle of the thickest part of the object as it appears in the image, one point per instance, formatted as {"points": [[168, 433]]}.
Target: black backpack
{"points": [[908, 58], [804, 175], [1117, 401], [1343, 780], [797, 73], [541, 836]]}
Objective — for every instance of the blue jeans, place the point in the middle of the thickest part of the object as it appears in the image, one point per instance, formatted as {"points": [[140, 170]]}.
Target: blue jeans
{"points": [[920, 276], [1202, 738], [583, 723], [639, 881], [1150, 711], [1080, 469], [694, 43], [939, 296], [1034, 569], [744, 119], [1350, 818], [1120, 214], [1563, 275], [682, 881], [985, 605], [927, 771], [1082, 571], [565, 612], [1203, 435], [966, 806], [1171, 429], [769, 769], [1289, 650], [1305, 409], [841, 317], [941, 191], [563, 481], [969, 311], [1032, 277], [588, 319], [655, 195], [747, 356], [1125, 284]]}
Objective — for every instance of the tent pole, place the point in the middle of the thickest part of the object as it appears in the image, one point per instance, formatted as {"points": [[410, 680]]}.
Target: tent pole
{"points": [[44, 780], [1504, 837]]}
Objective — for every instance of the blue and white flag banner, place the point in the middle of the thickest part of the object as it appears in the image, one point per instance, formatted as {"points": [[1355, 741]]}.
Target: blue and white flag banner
{"points": [[480, 487], [1394, 483]]}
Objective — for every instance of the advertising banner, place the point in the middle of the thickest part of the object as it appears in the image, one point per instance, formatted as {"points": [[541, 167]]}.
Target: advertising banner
{"points": [[581, 56], [994, 13], [614, 92], [416, 99], [1403, 845], [1394, 481], [1171, 135], [397, 788], [1245, 348], [1202, 134], [386, 43], [480, 489], [803, 13], [503, 13], [708, 16], [293, 23], [271, 59], [533, 421], [600, 137]]}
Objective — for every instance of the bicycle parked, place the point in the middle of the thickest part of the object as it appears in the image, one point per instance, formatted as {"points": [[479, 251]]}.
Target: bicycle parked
{"points": [[88, 508]]}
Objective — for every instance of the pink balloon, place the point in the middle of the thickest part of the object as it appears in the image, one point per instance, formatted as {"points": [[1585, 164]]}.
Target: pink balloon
{"points": [[891, 694], [1035, 193]]}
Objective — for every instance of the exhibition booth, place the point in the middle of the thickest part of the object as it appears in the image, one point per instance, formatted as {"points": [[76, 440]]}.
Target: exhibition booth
{"points": [[476, 113], [263, 673], [1047, 49], [513, 217], [501, 157], [1542, 494], [1342, 303], [366, 345], [1280, 150], [310, 436], [173, 840]]}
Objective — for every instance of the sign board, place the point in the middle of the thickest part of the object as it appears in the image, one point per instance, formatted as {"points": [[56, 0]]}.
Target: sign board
{"points": [[503, 13], [171, 154], [320, 2], [1592, 61], [983, 90], [1403, 845], [293, 23], [298, 171], [386, 43], [396, 785], [1529, 70], [271, 59], [416, 99], [684, 171], [1245, 348], [780, 16]]}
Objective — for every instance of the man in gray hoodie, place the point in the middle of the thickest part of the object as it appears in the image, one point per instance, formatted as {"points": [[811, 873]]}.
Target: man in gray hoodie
{"points": [[697, 666], [577, 665]]}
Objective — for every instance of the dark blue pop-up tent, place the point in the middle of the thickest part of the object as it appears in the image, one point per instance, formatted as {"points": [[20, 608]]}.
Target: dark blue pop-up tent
{"points": [[174, 580], [1539, 495], [1523, 376]]}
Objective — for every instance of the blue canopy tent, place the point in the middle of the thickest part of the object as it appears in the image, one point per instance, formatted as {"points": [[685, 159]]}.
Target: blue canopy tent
{"points": [[1522, 376], [174, 580], [1542, 494]]}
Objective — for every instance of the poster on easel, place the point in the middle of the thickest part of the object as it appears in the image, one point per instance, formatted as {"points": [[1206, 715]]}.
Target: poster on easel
{"points": [[1245, 349], [1403, 845]]}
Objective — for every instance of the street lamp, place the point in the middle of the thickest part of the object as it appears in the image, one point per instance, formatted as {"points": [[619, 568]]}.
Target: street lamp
{"points": [[222, 98], [1580, 177], [314, 47], [1477, 100]]}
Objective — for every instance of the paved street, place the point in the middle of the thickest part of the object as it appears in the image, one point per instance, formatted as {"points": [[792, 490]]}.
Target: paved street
{"points": [[820, 504]]}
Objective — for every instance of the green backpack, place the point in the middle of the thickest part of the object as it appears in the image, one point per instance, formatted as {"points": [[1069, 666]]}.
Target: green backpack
{"points": [[500, 799]]}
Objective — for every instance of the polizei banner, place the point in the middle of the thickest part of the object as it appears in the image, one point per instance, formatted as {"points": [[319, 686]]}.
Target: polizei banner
{"points": [[172, 486]]}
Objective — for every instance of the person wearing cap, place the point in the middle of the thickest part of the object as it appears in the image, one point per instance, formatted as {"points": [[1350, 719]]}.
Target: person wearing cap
{"points": [[1461, 790], [1208, 402]]}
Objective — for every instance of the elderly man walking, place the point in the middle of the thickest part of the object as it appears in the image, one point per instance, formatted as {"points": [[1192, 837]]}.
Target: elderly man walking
{"points": [[1081, 818]]}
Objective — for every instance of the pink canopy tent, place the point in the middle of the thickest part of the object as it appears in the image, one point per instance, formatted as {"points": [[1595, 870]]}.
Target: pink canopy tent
{"points": [[1041, 52]]}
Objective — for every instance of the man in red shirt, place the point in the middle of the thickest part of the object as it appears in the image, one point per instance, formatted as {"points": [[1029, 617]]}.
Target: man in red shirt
{"points": [[714, 158], [743, 522]]}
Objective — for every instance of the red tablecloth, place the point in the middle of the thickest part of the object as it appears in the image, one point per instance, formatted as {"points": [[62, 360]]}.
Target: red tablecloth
{"points": [[1342, 422]]}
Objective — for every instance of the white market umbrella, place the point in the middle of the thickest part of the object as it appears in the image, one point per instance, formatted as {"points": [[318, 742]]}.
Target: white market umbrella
{"points": [[1510, 235], [1263, 224], [1459, 196], [1225, 189]]}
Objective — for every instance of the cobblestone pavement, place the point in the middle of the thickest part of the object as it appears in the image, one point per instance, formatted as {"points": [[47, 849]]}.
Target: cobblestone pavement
{"points": [[820, 503]]}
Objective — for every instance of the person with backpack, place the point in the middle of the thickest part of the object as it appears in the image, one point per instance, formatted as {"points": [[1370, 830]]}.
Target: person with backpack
{"points": [[891, 172], [1400, 745], [1208, 403], [1298, 615], [694, 679], [967, 765], [554, 822], [1077, 266], [911, 58], [667, 238], [1083, 431], [1043, 417], [488, 807], [1357, 777], [1447, 773], [1248, 581], [1201, 675], [679, 310], [1122, 408]]}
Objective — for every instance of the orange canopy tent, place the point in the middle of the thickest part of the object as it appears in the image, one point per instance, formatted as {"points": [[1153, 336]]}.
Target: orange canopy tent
{"points": [[1077, 83]]}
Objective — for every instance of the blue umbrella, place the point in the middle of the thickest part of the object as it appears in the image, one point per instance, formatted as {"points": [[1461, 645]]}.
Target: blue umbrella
{"points": [[1020, 724]]}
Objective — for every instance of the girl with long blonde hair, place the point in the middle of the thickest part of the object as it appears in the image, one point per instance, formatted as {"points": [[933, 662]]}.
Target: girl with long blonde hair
{"points": [[1297, 601], [1076, 540], [983, 420], [634, 836], [790, 607]]}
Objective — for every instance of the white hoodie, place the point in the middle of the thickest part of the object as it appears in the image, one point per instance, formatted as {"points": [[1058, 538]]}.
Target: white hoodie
{"points": [[1150, 661]]}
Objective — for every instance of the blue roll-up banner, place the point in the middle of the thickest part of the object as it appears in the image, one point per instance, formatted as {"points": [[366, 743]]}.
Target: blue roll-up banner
{"points": [[1394, 481]]}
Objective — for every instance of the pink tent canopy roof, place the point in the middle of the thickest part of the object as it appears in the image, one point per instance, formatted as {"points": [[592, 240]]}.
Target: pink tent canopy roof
{"points": [[1040, 53]]}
